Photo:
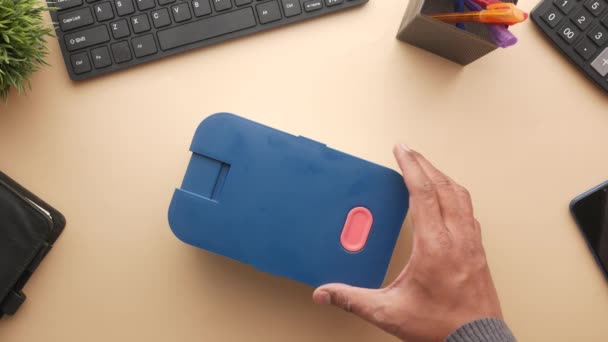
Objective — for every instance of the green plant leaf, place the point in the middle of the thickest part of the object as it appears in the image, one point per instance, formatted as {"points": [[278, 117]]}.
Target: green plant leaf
{"points": [[22, 43]]}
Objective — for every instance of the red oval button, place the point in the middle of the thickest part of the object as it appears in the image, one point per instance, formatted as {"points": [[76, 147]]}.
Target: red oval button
{"points": [[356, 229]]}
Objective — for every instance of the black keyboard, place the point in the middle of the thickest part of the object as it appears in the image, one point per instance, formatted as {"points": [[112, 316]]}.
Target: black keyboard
{"points": [[101, 36], [580, 30]]}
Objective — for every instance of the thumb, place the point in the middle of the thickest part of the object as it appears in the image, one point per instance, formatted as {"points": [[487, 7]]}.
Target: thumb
{"points": [[362, 302]]}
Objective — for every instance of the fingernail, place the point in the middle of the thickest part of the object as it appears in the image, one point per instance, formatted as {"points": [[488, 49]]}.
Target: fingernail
{"points": [[325, 298], [405, 148]]}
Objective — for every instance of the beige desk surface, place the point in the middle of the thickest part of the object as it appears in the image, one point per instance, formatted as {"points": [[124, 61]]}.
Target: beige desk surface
{"points": [[109, 152]]}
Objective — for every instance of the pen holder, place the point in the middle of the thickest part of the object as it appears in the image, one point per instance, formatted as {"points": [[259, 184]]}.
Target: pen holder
{"points": [[446, 40]]}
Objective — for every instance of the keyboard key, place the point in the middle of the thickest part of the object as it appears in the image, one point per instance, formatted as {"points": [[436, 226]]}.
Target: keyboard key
{"points": [[65, 4], [595, 6], [124, 7], [75, 19], [145, 4], [291, 7], [565, 5], [582, 19], [80, 63], [313, 5], [161, 18], [222, 5], [201, 7], [120, 29], [552, 17], [144, 45], [116, 34], [600, 63], [86, 38], [569, 33], [181, 12], [101, 57], [121, 52], [140, 23], [206, 28], [268, 12], [103, 11], [585, 48], [330, 3], [599, 35], [605, 21]]}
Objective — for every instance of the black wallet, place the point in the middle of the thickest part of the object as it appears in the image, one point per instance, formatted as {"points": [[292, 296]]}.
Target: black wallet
{"points": [[28, 229]]}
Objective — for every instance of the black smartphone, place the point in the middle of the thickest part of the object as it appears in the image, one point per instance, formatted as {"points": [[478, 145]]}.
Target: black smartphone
{"points": [[590, 211]]}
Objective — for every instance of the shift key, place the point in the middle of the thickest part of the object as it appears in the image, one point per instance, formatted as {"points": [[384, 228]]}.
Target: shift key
{"points": [[86, 38]]}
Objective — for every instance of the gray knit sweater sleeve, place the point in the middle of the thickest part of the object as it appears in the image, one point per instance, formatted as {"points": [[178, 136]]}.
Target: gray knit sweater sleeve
{"points": [[483, 330]]}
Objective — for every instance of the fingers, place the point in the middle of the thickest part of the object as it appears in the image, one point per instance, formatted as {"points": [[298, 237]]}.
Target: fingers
{"points": [[454, 199], [361, 302], [477, 231], [455, 208], [424, 203]]}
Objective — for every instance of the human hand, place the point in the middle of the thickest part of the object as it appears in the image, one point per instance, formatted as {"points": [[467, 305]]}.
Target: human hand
{"points": [[447, 282]]}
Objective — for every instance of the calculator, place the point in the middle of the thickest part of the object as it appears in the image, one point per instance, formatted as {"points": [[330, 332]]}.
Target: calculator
{"points": [[580, 30]]}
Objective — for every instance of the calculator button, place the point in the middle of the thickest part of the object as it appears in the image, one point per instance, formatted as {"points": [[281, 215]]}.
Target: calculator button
{"points": [[585, 48], [565, 5], [595, 6], [582, 19], [291, 7], [569, 33], [605, 21], [599, 35], [600, 63], [552, 17]]}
